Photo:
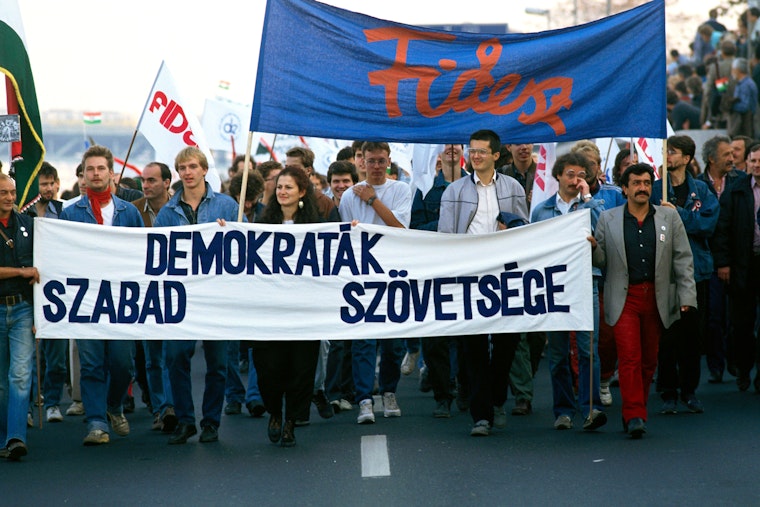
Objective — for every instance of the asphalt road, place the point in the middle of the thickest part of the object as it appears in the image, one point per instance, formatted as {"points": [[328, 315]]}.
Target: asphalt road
{"points": [[684, 459]]}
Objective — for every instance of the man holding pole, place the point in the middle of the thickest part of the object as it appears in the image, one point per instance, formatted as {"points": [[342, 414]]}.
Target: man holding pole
{"points": [[679, 353], [570, 171], [196, 203]]}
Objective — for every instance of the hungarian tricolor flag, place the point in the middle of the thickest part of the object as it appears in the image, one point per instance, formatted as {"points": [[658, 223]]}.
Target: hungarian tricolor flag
{"points": [[21, 99]]}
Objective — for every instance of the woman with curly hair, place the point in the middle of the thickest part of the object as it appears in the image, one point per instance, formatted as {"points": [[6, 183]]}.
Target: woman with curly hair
{"points": [[286, 368]]}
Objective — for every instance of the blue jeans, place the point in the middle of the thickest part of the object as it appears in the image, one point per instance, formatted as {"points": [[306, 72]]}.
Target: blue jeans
{"points": [[252, 393], [559, 368], [178, 356], [233, 387], [54, 352], [364, 356], [158, 375], [16, 352], [107, 368]]}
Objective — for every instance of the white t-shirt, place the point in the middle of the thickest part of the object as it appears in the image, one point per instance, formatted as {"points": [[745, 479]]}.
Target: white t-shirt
{"points": [[396, 196], [107, 212]]}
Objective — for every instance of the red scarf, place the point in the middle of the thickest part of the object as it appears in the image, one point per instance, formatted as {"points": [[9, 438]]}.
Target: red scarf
{"points": [[97, 200]]}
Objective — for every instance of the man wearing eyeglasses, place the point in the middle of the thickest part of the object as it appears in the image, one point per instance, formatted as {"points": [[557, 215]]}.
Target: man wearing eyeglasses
{"points": [[475, 205], [570, 171], [382, 201]]}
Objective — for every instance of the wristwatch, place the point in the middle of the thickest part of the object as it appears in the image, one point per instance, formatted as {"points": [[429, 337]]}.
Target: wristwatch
{"points": [[587, 197], [371, 200]]}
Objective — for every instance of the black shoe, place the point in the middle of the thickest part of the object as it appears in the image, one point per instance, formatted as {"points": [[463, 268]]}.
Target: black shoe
{"points": [[636, 428], [694, 405], [596, 420], [209, 434], [462, 400], [522, 407], [715, 378], [425, 385], [743, 381], [255, 408], [442, 409], [16, 449], [274, 430], [129, 405], [169, 420], [182, 433], [288, 434], [323, 406], [233, 408]]}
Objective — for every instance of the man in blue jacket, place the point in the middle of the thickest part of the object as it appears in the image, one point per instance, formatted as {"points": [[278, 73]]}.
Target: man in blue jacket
{"points": [[196, 203], [679, 354], [107, 366], [570, 171]]}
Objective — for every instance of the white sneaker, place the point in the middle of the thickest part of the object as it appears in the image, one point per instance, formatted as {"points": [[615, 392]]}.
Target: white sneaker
{"points": [[605, 396], [345, 405], [366, 413], [480, 429], [499, 417], [29, 419], [76, 408], [119, 423], [390, 405], [54, 414], [409, 364]]}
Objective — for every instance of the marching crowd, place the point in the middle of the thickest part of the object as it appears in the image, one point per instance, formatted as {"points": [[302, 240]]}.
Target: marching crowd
{"points": [[672, 280]]}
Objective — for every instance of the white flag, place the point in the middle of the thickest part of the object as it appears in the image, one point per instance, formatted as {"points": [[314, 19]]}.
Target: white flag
{"points": [[544, 184], [169, 126], [609, 149], [225, 125], [424, 158]]}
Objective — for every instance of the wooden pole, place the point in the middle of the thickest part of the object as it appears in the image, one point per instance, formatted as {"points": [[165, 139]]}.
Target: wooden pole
{"points": [[126, 159], [244, 185], [39, 385]]}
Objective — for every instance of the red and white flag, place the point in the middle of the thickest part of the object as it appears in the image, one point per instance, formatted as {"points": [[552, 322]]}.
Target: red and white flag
{"points": [[544, 184], [169, 126]]}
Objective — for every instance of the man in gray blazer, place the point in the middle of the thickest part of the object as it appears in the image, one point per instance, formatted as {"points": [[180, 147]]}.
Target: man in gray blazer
{"points": [[649, 282]]}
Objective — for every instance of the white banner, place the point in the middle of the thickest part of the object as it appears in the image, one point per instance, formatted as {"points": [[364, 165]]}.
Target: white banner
{"points": [[169, 126], [314, 281]]}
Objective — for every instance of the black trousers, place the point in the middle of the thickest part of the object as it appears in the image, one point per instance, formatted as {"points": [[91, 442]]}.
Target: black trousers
{"points": [[678, 360], [488, 365], [286, 368]]}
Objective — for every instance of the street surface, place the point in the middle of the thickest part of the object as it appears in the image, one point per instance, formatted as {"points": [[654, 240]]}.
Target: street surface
{"points": [[684, 459]]}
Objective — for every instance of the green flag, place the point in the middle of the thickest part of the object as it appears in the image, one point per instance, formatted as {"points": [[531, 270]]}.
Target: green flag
{"points": [[21, 96]]}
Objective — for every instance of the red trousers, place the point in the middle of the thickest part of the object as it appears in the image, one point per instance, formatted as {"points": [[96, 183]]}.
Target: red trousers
{"points": [[637, 336]]}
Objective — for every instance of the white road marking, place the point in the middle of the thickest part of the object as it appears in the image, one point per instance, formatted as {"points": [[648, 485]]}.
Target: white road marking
{"points": [[375, 461]]}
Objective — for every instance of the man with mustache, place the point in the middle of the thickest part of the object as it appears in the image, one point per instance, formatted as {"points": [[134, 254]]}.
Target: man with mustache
{"points": [[649, 284]]}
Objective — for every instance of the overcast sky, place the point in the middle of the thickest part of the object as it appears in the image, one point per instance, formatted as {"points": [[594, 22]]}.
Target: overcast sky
{"points": [[103, 56]]}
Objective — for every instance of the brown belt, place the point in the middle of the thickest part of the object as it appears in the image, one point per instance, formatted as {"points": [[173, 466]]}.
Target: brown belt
{"points": [[11, 300]]}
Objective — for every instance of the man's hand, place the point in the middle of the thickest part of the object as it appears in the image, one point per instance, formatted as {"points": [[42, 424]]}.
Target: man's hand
{"points": [[667, 204], [592, 240], [222, 222], [31, 273], [364, 192], [724, 274]]}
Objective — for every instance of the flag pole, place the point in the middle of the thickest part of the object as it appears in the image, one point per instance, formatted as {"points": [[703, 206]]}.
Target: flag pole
{"points": [[244, 185], [607, 160], [665, 170], [39, 378], [131, 143]]}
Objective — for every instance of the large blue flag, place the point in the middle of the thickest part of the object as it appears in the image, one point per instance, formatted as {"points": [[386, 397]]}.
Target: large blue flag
{"points": [[328, 72]]}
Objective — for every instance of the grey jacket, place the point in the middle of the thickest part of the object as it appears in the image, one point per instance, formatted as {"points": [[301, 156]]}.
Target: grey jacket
{"points": [[674, 265], [459, 202]]}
